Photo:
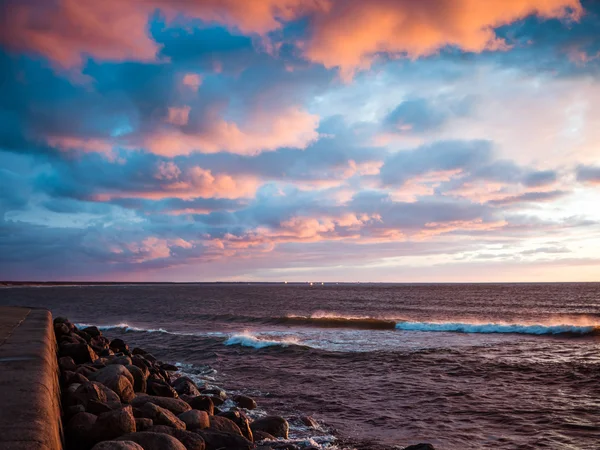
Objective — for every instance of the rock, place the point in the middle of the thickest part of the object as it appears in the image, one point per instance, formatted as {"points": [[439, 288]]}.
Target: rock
{"points": [[203, 403], [154, 441], [85, 393], [191, 441], [215, 392], [169, 367], [150, 357], [118, 345], [195, 419], [275, 425], [72, 377], [138, 351], [67, 363], [81, 353], [86, 337], [117, 378], [117, 445], [140, 361], [79, 431], [123, 360], [245, 402], [218, 423], [217, 401], [175, 405], [160, 388], [161, 416], [111, 396], [97, 408], [216, 440], [92, 331], [139, 378], [262, 435], [185, 386], [241, 420], [161, 429], [309, 422], [143, 423], [61, 329], [421, 446], [111, 425]]}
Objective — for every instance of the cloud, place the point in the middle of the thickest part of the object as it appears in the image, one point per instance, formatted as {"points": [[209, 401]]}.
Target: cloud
{"points": [[588, 175]]}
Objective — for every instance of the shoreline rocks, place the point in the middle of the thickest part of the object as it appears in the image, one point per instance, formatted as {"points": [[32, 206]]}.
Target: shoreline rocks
{"points": [[115, 398]]}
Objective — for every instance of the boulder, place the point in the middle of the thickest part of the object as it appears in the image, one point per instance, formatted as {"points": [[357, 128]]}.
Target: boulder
{"points": [[191, 441], [244, 401], [111, 425], [185, 386], [81, 353], [143, 424], [67, 363], [161, 416], [175, 405], [117, 378], [118, 345], [85, 393], [202, 403], [195, 419], [92, 331], [309, 422], [262, 435], [82, 334], [123, 360], [97, 408], [86, 370], [79, 431], [117, 445], [421, 446], [141, 362], [61, 329], [218, 423], [275, 425], [241, 420], [154, 441], [72, 377], [111, 396], [160, 388], [150, 357], [216, 440], [138, 351], [169, 367], [139, 378], [215, 392]]}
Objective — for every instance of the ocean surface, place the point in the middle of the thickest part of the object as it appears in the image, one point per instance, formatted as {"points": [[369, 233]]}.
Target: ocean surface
{"points": [[380, 366]]}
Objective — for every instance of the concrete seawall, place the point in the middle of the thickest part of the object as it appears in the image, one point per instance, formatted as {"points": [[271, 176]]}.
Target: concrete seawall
{"points": [[29, 386]]}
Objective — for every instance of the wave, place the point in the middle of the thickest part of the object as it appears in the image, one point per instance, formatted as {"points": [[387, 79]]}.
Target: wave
{"points": [[460, 327], [332, 321], [250, 340], [124, 327]]}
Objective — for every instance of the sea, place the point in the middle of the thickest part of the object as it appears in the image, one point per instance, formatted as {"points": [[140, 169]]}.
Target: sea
{"points": [[378, 366]]}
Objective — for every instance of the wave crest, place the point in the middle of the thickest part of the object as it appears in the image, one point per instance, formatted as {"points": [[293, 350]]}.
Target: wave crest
{"points": [[460, 327], [250, 340]]}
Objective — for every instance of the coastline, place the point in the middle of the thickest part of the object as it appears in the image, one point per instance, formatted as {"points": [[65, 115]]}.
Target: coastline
{"points": [[114, 395]]}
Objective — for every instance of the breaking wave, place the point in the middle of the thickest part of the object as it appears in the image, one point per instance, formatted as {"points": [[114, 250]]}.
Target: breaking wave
{"points": [[459, 327], [250, 340], [124, 327]]}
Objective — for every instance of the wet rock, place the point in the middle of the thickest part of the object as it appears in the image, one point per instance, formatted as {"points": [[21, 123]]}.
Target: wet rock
{"points": [[245, 402], [61, 329], [203, 403], [309, 422], [118, 345], [218, 423], [175, 405], [215, 392], [262, 435], [79, 431], [241, 420], [161, 416], [81, 353], [141, 362], [154, 441], [421, 446], [117, 445], [169, 367], [160, 388], [117, 378], [216, 440], [185, 386], [92, 331], [113, 424], [139, 378], [67, 363], [275, 425], [143, 424], [123, 360], [138, 351], [195, 419], [86, 337]]}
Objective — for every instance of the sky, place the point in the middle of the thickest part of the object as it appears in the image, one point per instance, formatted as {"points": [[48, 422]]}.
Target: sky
{"points": [[300, 140]]}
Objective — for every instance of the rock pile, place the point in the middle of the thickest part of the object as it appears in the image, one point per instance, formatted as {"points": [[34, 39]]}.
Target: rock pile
{"points": [[117, 398]]}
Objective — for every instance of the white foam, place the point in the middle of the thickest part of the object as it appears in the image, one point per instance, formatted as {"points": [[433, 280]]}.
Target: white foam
{"points": [[124, 326], [250, 340], [460, 327]]}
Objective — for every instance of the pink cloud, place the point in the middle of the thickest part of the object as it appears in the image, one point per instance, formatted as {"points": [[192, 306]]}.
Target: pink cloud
{"points": [[72, 143], [178, 115], [192, 80], [434, 228], [351, 33]]}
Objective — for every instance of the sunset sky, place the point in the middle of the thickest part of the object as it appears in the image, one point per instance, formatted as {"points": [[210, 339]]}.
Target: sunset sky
{"points": [[322, 140]]}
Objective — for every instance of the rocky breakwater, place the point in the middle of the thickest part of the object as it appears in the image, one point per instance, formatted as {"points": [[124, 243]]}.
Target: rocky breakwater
{"points": [[117, 398]]}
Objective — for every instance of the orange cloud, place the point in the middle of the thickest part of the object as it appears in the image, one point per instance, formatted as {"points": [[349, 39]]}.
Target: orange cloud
{"points": [[435, 228], [178, 115], [192, 80], [351, 33]]}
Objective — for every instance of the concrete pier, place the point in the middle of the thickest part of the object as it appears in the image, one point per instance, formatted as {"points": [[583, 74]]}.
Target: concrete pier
{"points": [[29, 388]]}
